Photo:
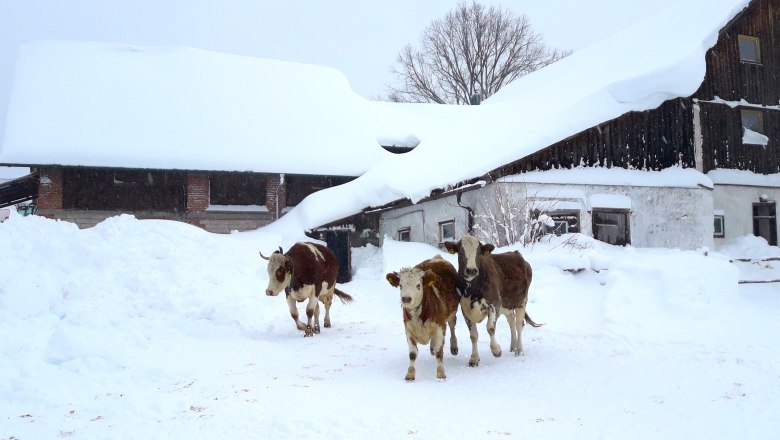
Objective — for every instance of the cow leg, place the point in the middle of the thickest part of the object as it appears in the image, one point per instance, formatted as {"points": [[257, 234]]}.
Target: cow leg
{"points": [[453, 339], [294, 313], [327, 302], [519, 324], [316, 317], [511, 319], [310, 306], [474, 335], [495, 348], [437, 342], [410, 373]]}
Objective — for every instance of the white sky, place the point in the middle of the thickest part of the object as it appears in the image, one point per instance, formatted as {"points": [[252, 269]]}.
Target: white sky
{"points": [[359, 38]]}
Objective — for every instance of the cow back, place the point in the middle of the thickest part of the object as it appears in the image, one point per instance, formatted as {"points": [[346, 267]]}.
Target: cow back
{"points": [[515, 274], [313, 264]]}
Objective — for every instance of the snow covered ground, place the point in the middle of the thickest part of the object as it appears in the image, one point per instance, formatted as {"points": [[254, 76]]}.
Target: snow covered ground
{"points": [[157, 329]]}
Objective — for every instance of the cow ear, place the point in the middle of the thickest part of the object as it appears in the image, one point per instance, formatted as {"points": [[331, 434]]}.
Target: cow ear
{"points": [[487, 248], [393, 279], [451, 246], [429, 278]]}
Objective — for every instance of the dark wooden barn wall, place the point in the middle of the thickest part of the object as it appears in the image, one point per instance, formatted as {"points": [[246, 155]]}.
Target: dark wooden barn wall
{"points": [[731, 79], [100, 190], [663, 137], [722, 138], [651, 140]]}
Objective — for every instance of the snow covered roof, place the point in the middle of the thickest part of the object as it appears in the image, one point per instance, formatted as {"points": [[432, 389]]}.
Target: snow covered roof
{"points": [[115, 105], [183, 108]]}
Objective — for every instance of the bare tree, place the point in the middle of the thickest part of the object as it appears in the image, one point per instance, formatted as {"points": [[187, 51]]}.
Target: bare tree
{"points": [[472, 50], [507, 217]]}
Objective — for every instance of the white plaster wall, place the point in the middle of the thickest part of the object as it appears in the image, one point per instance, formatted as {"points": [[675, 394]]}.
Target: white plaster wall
{"points": [[659, 216], [424, 218], [736, 202]]}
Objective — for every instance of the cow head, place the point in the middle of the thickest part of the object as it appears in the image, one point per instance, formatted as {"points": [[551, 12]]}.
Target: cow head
{"points": [[279, 272], [467, 248], [412, 282]]}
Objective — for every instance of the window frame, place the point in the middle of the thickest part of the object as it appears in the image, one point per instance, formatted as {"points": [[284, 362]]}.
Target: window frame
{"points": [[756, 42], [743, 112], [719, 232], [559, 216], [401, 231], [626, 233], [442, 224]]}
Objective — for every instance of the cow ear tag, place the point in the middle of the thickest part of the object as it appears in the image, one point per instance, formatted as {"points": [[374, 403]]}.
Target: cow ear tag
{"points": [[452, 251]]}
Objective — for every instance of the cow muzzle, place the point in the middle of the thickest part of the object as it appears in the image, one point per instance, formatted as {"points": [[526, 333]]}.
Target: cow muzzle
{"points": [[471, 272], [406, 299], [270, 292]]}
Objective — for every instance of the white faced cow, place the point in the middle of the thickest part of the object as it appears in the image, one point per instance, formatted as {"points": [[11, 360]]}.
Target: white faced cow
{"points": [[307, 271], [429, 300], [493, 284]]}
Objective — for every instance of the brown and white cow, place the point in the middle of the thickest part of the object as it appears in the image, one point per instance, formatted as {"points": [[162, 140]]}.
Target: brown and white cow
{"points": [[429, 300], [492, 285], [305, 271]]}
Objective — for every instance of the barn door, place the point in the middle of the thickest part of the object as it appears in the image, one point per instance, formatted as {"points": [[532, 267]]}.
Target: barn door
{"points": [[611, 226], [765, 221], [339, 241]]}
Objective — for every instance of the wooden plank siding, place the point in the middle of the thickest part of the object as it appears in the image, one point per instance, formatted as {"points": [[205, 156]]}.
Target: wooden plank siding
{"points": [[732, 80], [648, 140], [664, 137], [757, 84]]}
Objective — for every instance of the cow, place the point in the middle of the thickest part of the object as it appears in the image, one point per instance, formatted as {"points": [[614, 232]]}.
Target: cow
{"points": [[492, 285], [429, 300], [305, 271]]}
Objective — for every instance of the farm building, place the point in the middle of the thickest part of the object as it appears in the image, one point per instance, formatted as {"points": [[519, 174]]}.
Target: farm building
{"points": [[220, 141], [667, 141], [728, 131]]}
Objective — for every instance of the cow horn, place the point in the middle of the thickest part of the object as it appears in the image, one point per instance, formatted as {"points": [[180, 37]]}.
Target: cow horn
{"points": [[264, 257], [280, 250]]}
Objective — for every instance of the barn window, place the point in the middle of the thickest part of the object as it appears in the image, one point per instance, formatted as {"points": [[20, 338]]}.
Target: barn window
{"points": [[611, 226], [749, 49], [299, 186], [237, 189], [405, 234], [565, 222], [133, 177], [753, 120], [446, 231], [720, 228]]}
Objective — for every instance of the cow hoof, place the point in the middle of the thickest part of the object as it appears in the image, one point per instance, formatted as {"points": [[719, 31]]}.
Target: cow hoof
{"points": [[317, 329], [498, 355], [308, 332], [474, 363], [327, 325], [454, 351], [409, 378]]}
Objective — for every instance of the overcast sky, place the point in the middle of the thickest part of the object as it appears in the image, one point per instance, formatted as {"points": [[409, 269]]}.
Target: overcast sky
{"points": [[361, 38]]}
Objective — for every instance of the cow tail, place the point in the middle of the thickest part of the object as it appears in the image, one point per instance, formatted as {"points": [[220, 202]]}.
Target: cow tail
{"points": [[531, 321], [345, 298]]}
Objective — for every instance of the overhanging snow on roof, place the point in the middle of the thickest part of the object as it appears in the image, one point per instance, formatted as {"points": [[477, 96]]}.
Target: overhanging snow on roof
{"points": [[114, 105]]}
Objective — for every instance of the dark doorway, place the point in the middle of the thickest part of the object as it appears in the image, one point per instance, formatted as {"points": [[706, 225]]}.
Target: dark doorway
{"points": [[611, 226], [339, 241], [765, 221]]}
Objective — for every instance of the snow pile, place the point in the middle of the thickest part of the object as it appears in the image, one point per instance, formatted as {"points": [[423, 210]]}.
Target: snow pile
{"points": [[149, 329]]}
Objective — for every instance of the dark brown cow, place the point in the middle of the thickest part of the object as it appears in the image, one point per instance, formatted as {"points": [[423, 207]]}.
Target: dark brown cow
{"points": [[305, 271], [429, 300], [492, 285]]}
